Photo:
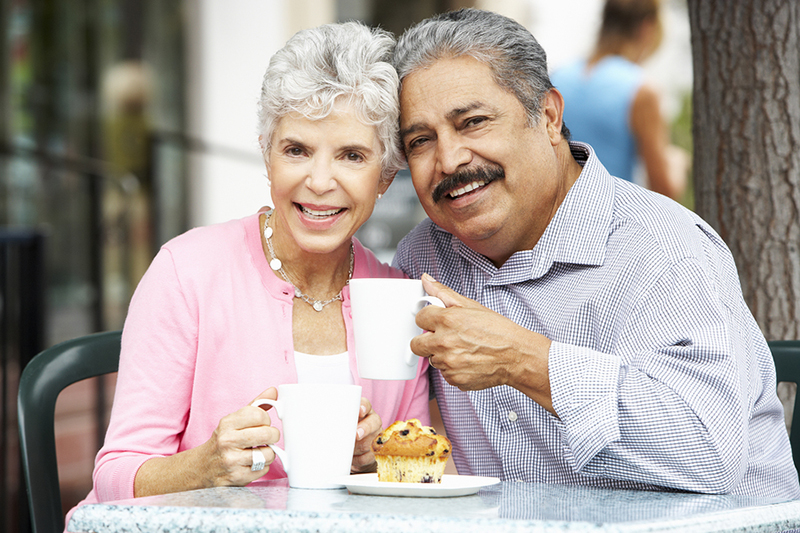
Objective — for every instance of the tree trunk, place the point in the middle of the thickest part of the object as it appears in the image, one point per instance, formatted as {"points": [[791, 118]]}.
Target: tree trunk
{"points": [[747, 146], [746, 127]]}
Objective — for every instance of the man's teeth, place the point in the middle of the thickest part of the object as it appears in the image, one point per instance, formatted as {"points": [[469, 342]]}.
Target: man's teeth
{"points": [[464, 190], [325, 213]]}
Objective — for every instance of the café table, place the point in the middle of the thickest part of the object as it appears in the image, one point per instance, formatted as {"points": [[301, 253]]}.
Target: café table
{"points": [[506, 507]]}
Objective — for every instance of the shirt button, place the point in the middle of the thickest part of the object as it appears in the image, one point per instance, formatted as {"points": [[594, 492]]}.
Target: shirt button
{"points": [[512, 416]]}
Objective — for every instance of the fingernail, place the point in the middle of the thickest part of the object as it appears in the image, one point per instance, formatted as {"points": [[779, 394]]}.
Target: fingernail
{"points": [[360, 433]]}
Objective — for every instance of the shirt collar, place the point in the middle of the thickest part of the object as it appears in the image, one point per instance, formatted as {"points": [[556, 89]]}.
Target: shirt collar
{"points": [[579, 231]]}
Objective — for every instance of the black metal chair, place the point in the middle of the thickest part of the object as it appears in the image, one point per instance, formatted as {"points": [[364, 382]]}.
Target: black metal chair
{"points": [[42, 380], [787, 367]]}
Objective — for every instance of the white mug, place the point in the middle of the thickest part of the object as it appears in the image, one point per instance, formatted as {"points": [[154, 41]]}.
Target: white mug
{"points": [[384, 311], [319, 432]]}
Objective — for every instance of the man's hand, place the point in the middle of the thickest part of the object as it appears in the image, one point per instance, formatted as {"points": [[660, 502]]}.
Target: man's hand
{"points": [[369, 425], [476, 348]]}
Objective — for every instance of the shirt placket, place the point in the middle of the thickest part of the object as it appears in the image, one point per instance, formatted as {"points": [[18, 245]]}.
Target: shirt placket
{"points": [[511, 442]]}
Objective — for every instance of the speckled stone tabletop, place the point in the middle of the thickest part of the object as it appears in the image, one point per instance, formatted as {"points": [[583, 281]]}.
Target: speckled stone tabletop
{"points": [[505, 507]]}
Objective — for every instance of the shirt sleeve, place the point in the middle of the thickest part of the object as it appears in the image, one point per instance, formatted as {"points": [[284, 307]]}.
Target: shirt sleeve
{"points": [[154, 383], [670, 406]]}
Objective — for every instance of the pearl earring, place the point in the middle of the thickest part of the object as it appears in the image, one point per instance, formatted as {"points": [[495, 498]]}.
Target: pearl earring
{"points": [[380, 195]]}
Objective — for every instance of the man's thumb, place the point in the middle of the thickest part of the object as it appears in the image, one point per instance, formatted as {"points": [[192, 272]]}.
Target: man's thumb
{"points": [[447, 295]]}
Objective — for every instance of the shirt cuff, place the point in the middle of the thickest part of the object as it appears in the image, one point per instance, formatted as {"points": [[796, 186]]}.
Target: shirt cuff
{"points": [[584, 384]]}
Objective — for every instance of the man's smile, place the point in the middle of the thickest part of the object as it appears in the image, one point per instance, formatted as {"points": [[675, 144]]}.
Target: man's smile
{"points": [[465, 181], [469, 188]]}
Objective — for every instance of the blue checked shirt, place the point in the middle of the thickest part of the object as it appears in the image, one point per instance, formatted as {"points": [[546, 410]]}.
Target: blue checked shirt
{"points": [[659, 374]]}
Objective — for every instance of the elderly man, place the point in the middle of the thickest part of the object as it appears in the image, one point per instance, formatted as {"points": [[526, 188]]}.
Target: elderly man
{"points": [[595, 332]]}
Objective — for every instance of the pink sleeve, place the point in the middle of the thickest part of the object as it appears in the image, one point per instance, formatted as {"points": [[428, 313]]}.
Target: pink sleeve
{"points": [[369, 266], [154, 384], [418, 392]]}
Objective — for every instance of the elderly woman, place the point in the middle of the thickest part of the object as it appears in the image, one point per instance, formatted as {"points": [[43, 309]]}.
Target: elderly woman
{"points": [[227, 312]]}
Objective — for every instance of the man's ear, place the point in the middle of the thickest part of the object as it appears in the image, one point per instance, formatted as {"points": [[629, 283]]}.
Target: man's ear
{"points": [[553, 114]]}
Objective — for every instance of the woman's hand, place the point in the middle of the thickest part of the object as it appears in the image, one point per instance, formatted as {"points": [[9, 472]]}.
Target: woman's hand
{"points": [[369, 425], [231, 445], [224, 460]]}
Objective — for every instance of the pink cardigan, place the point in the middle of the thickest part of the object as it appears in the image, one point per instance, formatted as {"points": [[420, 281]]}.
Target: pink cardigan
{"points": [[208, 329]]}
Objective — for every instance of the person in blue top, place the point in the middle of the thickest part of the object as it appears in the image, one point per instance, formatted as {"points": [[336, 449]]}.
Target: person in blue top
{"points": [[612, 107]]}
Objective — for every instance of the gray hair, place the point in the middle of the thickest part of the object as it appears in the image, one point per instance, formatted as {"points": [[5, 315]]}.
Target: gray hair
{"points": [[321, 66], [517, 60]]}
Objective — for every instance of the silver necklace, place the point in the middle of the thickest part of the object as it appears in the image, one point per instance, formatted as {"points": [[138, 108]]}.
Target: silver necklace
{"points": [[277, 265]]}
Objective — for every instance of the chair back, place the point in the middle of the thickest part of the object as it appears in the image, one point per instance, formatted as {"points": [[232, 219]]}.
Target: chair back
{"points": [[42, 380], [787, 367]]}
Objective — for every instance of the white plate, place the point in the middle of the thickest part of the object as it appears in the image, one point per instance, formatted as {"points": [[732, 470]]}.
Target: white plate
{"points": [[451, 485]]}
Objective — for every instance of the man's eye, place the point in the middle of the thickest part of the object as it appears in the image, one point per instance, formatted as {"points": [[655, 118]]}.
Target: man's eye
{"points": [[416, 143], [474, 121]]}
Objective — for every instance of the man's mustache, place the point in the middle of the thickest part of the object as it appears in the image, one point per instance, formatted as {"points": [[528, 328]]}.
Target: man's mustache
{"points": [[461, 178]]}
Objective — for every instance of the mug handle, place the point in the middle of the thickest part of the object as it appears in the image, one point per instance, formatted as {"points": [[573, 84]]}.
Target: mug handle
{"points": [[279, 452], [433, 300], [282, 455], [411, 357], [277, 404]]}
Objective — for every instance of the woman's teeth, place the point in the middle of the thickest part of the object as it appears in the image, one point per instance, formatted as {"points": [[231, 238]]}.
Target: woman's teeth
{"points": [[321, 214], [469, 188]]}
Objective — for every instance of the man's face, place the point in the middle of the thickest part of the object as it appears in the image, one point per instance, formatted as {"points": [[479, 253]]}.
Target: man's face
{"points": [[480, 171]]}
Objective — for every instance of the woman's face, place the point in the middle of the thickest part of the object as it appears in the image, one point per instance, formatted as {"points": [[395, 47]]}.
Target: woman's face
{"points": [[325, 178]]}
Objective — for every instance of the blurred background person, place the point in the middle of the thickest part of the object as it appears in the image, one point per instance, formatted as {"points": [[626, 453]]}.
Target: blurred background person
{"points": [[610, 105]]}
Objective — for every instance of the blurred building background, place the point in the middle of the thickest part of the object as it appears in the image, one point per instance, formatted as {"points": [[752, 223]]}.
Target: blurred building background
{"points": [[126, 122]]}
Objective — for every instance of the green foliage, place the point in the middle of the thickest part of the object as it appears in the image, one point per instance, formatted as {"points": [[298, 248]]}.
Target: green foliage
{"points": [[681, 130]]}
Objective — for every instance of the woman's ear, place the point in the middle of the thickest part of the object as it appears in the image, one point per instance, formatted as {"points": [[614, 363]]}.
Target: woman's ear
{"points": [[383, 185], [265, 157]]}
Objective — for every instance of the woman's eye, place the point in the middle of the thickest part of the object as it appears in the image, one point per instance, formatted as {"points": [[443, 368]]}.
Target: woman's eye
{"points": [[354, 157], [294, 151]]}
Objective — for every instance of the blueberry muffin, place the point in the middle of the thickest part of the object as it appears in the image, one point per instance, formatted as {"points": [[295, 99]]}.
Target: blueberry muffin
{"points": [[408, 452]]}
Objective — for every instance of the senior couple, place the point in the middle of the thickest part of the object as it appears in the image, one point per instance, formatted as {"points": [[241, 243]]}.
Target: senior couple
{"points": [[594, 332]]}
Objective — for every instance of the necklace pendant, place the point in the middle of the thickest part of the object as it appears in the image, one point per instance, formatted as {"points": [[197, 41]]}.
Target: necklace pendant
{"points": [[276, 265]]}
